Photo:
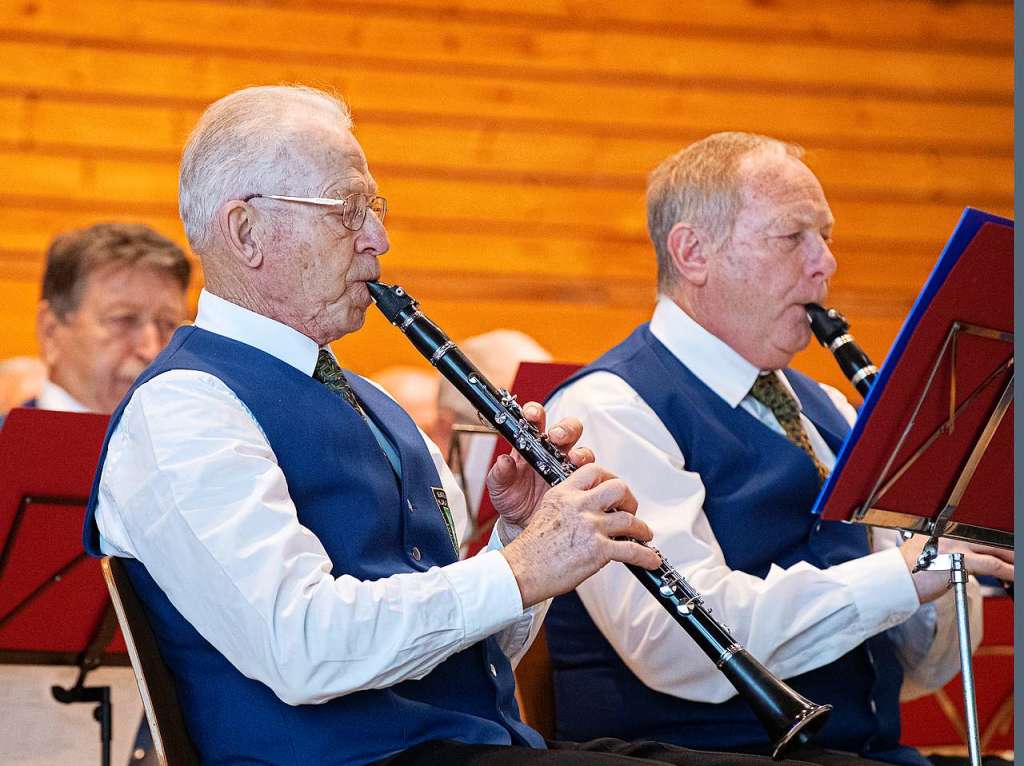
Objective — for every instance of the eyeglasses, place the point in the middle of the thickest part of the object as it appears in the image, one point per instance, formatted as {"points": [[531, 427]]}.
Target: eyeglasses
{"points": [[122, 323], [353, 207]]}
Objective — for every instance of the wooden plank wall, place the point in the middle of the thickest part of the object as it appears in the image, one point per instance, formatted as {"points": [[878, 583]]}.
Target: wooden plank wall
{"points": [[512, 139]]}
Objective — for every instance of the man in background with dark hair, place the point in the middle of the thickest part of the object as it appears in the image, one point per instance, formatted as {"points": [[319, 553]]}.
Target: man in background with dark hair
{"points": [[112, 296]]}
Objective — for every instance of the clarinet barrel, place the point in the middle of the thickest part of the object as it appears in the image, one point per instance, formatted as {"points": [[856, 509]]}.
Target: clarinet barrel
{"points": [[831, 329], [789, 718]]}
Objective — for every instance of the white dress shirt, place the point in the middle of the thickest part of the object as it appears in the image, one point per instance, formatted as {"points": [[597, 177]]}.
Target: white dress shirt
{"points": [[192, 488], [793, 620], [53, 397]]}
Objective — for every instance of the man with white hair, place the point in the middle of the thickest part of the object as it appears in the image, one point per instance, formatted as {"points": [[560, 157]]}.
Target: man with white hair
{"points": [[726, 448], [291, 533]]}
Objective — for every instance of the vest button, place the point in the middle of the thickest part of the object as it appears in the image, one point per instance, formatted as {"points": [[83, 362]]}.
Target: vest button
{"points": [[494, 670], [415, 553], [411, 509]]}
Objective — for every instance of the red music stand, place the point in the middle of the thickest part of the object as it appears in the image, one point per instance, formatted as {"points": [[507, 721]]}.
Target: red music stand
{"points": [[932, 448], [534, 382], [54, 607], [933, 437]]}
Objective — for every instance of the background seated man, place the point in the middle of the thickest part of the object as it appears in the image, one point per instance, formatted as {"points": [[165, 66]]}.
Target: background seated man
{"points": [[112, 294], [725, 449]]}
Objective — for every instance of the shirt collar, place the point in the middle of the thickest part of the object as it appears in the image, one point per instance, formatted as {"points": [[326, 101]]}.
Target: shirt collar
{"points": [[268, 335], [53, 397], [708, 357]]}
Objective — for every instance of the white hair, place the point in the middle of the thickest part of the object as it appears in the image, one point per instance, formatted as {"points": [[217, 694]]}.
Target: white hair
{"points": [[702, 185], [237, 148]]}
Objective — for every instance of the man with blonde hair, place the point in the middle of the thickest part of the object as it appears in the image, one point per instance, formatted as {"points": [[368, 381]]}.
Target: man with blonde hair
{"points": [[725, 448]]}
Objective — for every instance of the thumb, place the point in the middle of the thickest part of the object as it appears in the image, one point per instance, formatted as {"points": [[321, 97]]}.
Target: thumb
{"points": [[502, 475]]}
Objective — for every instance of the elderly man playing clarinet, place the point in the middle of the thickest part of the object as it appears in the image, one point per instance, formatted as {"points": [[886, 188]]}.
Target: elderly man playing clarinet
{"points": [[725, 449], [292, 535]]}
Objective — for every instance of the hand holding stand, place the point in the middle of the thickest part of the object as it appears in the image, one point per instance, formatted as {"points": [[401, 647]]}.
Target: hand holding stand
{"points": [[954, 563]]}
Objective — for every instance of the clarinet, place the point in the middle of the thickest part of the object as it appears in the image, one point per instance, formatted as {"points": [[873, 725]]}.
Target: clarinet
{"points": [[789, 718], [831, 329]]}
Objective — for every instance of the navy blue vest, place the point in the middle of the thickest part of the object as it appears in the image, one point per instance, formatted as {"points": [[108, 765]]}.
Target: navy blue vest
{"points": [[345, 492], [760, 488]]}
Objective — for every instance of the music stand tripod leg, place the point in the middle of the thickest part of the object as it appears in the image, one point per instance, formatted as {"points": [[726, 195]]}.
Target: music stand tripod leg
{"points": [[954, 562]]}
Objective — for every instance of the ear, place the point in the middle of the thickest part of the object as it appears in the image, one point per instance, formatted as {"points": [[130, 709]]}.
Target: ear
{"points": [[47, 326], [688, 253], [235, 223]]}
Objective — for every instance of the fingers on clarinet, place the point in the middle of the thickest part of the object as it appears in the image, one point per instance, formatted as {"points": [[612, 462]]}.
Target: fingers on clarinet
{"points": [[613, 493], [589, 476], [581, 456], [623, 524], [566, 432], [629, 552], [534, 412], [502, 473]]}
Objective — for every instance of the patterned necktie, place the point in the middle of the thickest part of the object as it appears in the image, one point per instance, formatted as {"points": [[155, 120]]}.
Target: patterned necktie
{"points": [[329, 373], [770, 391]]}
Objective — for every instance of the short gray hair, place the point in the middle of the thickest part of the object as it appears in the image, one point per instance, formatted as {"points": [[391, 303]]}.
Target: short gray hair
{"points": [[74, 256], [234, 146], [701, 185]]}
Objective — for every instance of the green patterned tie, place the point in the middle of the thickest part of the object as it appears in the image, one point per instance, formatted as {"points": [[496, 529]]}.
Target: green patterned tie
{"points": [[329, 373], [770, 391]]}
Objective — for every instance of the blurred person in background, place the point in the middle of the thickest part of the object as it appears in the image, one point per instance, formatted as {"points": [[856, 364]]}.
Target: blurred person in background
{"points": [[112, 295], [21, 379], [416, 389]]}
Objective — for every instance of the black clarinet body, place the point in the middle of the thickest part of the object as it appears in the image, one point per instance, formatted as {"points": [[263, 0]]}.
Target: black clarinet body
{"points": [[789, 718], [832, 331]]}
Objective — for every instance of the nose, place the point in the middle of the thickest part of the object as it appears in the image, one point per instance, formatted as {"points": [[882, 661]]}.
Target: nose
{"points": [[823, 263], [148, 341], [372, 238]]}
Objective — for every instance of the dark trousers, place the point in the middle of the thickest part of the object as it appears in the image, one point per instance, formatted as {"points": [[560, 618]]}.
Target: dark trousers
{"points": [[599, 752]]}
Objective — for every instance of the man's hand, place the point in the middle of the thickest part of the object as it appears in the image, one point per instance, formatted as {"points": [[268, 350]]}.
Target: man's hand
{"points": [[570, 535], [516, 489], [980, 560]]}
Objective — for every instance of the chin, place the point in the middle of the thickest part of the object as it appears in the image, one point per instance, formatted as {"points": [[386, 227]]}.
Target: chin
{"points": [[355, 320]]}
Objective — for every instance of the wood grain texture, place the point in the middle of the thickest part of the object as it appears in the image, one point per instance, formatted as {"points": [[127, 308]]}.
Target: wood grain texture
{"points": [[513, 141]]}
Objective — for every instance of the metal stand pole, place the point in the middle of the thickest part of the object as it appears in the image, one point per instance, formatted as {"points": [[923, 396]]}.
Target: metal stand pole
{"points": [[954, 562]]}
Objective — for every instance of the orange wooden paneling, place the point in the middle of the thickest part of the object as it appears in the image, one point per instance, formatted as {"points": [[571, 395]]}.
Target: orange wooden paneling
{"points": [[312, 35], [513, 141]]}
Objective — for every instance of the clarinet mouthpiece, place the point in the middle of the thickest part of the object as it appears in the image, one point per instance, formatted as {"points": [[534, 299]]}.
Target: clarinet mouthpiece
{"points": [[826, 324], [390, 299]]}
